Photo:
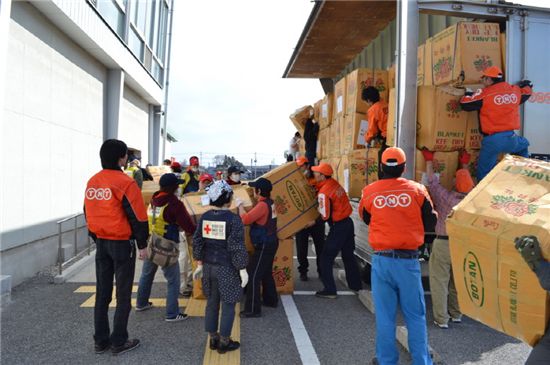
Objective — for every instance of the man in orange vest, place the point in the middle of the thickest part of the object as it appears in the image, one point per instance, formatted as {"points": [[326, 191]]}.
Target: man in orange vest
{"points": [[498, 105], [398, 212], [117, 222], [335, 209], [377, 116]]}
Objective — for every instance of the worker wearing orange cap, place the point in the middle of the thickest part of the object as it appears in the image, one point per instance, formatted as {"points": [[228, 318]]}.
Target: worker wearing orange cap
{"points": [[191, 176], [335, 209], [398, 212], [444, 296], [498, 105], [316, 230], [377, 116]]}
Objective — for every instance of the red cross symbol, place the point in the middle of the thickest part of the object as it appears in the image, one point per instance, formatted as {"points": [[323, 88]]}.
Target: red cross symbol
{"points": [[207, 229]]}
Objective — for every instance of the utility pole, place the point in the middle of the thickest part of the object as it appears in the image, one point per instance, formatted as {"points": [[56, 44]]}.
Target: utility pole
{"points": [[255, 165]]}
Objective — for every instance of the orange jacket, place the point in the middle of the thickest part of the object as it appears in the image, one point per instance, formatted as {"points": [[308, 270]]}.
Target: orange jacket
{"points": [[398, 212], [498, 106], [378, 120], [114, 208], [333, 201]]}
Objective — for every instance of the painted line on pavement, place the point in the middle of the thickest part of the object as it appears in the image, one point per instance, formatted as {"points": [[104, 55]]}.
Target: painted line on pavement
{"points": [[301, 337], [308, 292]]}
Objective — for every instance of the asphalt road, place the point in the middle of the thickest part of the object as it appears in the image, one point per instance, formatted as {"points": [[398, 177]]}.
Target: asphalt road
{"points": [[44, 324]]}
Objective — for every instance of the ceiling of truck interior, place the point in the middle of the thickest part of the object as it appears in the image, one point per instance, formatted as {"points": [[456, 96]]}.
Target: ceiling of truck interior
{"points": [[335, 33]]}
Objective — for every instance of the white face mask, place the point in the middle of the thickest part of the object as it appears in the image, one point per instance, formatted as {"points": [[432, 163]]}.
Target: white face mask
{"points": [[194, 169], [236, 177]]}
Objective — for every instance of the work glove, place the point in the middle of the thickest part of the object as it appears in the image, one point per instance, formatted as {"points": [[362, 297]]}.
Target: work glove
{"points": [[464, 158], [529, 248], [197, 274], [468, 92], [244, 277], [238, 202], [428, 155], [524, 83]]}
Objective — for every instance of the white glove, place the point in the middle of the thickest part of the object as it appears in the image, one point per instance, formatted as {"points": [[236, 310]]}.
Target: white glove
{"points": [[197, 274], [238, 202], [244, 277]]}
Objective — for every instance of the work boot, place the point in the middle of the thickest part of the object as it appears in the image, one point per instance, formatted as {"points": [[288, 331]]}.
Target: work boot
{"points": [[303, 276], [100, 349], [214, 341], [325, 294], [128, 346], [227, 344]]}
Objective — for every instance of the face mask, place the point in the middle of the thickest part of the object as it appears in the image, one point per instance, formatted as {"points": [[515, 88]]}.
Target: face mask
{"points": [[194, 169], [236, 177]]}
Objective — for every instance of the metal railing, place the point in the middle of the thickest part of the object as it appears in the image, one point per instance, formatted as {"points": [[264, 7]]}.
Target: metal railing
{"points": [[60, 256]]}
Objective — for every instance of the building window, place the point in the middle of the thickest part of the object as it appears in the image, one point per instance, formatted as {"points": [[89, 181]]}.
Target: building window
{"points": [[135, 43], [112, 12], [162, 30]]}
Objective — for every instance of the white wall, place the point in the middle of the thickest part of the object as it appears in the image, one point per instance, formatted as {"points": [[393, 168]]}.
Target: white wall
{"points": [[51, 125], [133, 125]]}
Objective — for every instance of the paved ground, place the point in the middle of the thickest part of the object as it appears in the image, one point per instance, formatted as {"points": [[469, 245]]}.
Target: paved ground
{"points": [[45, 324]]}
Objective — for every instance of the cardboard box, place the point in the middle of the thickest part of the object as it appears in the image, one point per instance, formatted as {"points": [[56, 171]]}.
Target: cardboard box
{"points": [[339, 100], [356, 81], [157, 171], [428, 63], [335, 137], [147, 191], [391, 76], [503, 51], [381, 83], [468, 47], [372, 165], [282, 267], [392, 120], [324, 135], [444, 163], [494, 284], [326, 111], [295, 200], [198, 203], [420, 55], [317, 110], [300, 117], [354, 130], [342, 173], [441, 123], [473, 136], [335, 163], [352, 172]]}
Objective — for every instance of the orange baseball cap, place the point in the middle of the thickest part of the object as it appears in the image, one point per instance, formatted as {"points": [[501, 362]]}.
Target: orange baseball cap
{"points": [[323, 168], [300, 161], [493, 71], [393, 156], [464, 182]]}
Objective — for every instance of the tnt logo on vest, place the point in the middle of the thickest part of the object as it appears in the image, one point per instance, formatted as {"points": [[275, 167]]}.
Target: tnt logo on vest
{"points": [[392, 201], [505, 99], [99, 194]]}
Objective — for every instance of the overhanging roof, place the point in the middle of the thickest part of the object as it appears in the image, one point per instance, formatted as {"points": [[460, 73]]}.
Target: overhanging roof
{"points": [[335, 33]]}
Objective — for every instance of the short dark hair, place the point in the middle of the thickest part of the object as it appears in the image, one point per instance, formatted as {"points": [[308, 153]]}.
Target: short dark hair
{"points": [[297, 134], [496, 80], [265, 194], [110, 152], [393, 171], [370, 94], [223, 199], [167, 161]]}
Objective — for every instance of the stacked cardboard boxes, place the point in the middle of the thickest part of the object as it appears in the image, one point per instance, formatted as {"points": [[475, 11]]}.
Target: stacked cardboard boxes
{"points": [[300, 117]]}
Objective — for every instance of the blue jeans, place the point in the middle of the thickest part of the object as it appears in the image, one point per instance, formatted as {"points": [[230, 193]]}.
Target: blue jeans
{"points": [[172, 275], [398, 281], [212, 312], [341, 238], [495, 144]]}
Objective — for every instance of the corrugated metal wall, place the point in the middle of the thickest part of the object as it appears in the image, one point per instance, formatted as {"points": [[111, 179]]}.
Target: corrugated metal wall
{"points": [[380, 53]]}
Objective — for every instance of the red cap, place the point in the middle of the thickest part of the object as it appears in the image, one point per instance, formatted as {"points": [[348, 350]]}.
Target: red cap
{"points": [[219, 173], [206, 177], [300, 161], [323, 168], [393, 156], [464, 182], [194, 161], [493, 71], [176, 165]]}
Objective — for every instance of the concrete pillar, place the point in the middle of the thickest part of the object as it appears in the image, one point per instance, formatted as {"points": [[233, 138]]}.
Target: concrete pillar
{"points": [[5, 12], [113, 101], [154, 134]]}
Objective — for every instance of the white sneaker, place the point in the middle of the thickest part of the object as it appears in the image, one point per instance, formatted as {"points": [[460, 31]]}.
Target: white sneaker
{"points": [[180, 317], [440, 325], [456, 320]]}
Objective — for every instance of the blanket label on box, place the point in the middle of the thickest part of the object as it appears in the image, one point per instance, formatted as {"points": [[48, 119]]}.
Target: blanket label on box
{"points": [[473, 279], [363, 128]]}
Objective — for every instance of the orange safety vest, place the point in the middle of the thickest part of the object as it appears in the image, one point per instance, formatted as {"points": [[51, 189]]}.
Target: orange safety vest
{"points": [[500, 108], [333, 201], [395, 206], [104, 197], [378, 120]]}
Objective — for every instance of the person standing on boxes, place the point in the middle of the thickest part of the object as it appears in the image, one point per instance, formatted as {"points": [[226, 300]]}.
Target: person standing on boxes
{"points": [[218, 247], [498, 105], [398, 212], [377, 116], [316, 231], [335, 209], [311, 135], [117, 221], [263, 234], [442, 287], [529, 248], [167, 217], [191, 177]]}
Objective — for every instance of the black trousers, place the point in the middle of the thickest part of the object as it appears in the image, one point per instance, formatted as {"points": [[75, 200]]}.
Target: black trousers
{"points": [[317, 232], [541, 352], [259, 271], [114, 259], [383, 147]]}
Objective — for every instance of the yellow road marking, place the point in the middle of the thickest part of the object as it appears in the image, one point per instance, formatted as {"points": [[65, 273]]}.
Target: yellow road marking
{"points": [[211, 357], [91, 289], [157, 302], [195, 307]]}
